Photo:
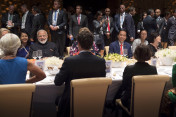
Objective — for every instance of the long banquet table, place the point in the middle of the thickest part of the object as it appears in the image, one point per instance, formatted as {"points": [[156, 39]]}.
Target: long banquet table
{"points": [[43, 104]]}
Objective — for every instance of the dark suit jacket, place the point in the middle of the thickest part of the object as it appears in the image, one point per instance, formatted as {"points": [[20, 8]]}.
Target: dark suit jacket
{"points": [[150, 26], [84, 65], [115, 48], [28, 23], [49, 49], [139, 68], [106, 25], [171, 28], [129, 26], [73, 25], [159, 22], [38, 23], [61, 20], [15, 20], [117, 23]]}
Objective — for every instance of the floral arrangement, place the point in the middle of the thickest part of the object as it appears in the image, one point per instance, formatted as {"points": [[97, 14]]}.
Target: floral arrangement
{"points": [[53, 61], [115, 57], [166, 53]]}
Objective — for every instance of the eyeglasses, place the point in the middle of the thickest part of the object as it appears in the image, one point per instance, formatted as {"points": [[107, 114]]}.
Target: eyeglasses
{"points": [[107, 11]]}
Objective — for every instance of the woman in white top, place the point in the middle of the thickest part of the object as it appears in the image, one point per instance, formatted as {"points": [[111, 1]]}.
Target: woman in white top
{"points": [[141, 40]]}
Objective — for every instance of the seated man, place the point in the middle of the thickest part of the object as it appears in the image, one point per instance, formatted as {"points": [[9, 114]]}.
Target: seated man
{"points": [[119, 46], [84, 65], [48, 48]]}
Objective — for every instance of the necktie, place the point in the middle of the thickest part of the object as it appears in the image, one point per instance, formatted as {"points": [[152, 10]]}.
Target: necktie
{"points": [[108, 25], [55, 15], [121, 49], [78, 19]]}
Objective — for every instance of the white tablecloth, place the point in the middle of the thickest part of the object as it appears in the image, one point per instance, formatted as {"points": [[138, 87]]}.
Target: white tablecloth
{"points": [[46, 92]]}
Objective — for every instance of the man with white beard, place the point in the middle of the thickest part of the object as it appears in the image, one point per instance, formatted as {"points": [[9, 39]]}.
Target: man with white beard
{"points": [[48, 48]]}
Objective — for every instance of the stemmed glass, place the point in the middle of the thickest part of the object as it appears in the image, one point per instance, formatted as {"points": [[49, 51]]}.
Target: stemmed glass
{"points": [[34, 54], [125, 52], [39, 54]]}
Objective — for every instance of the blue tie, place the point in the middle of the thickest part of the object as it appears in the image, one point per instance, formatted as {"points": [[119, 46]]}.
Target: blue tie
{"points": [[55, 15]]}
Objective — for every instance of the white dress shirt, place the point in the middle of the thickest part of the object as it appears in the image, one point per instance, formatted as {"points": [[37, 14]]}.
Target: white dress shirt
{"points": [[24, 20]]}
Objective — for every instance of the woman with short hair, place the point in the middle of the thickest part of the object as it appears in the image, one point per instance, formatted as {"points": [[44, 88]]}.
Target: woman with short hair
{"points": [[142, 53], [13, 69]]}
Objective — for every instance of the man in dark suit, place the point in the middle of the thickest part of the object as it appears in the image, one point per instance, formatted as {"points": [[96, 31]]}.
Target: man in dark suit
{"points": [[48, 49], [129, 25], [120, 46], [27, 18], [159, 20], [57, 20], [77, 21], [84, 65], [11, 20], [149, 24], [109, 27], [119, 19], [171, 29], [38, 23]]}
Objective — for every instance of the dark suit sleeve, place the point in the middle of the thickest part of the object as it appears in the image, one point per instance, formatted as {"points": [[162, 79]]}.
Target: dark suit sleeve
{"points": [[169, 24], [63, 75], [129, 26], [30, 52], [111, 50], [154, 24], [129, 52], [116, 23], [34, 27], [61, 26], [86, 21], [71, 26], [56, 51], [50, 18], [112, 25], [17, 22], [4, 20]]}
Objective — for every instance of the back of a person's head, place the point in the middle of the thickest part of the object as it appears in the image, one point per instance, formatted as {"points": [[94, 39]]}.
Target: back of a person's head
{"points": [[9, 44], [149, 12], [153, 36], [142, 53], [85, 38], [2, 30]]}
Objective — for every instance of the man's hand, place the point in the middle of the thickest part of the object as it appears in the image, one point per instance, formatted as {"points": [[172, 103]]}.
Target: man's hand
{"points": [[131, 39], [51, 27], [108, 35], [31, 39], [71, 37]]}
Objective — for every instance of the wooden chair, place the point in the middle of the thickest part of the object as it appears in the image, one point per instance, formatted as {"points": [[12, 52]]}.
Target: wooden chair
{"points": [[146, 95], [107, 49], [15, 100], [88, 96]]}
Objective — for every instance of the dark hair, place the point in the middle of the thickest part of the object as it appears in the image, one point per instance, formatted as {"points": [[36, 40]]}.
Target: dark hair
{"points": [[167, 13], [25, 6], [142, 31], [28, 42], [36, 9], [97, 14], [149, 12], [79, 6], [142, 15], [59, 2], [142, 53], [153, 36], [85, 38], [130, 9]]}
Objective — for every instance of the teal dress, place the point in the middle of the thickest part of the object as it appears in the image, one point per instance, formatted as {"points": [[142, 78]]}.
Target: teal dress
{"points": [[13, 71], [170, 94]]}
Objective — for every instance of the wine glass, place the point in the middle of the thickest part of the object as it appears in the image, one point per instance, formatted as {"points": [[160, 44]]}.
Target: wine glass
{"points": [[34, 54], [39, 54], [125, 52]]}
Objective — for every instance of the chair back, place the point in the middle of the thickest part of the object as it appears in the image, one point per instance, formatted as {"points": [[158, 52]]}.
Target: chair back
{"points": [[172, 47], [15, 100], [107, 49], [88, 96], [147, 91], [68, 51]]}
